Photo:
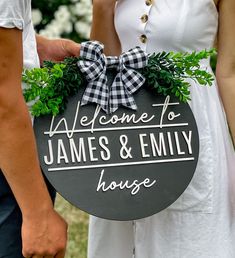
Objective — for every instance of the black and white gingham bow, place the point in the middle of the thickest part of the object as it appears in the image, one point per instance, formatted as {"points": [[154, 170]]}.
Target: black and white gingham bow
{"points": [[126, 82]]}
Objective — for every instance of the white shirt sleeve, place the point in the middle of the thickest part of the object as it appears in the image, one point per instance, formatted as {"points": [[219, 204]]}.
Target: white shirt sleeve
{"points": [[12, 13]]}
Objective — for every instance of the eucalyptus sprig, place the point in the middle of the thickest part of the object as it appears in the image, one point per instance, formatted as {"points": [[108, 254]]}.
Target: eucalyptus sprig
{"points": [[166, 73], [49, 87]]}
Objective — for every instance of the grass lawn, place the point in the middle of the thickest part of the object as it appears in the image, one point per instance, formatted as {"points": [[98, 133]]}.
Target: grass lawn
{"points": [[78, 228]]}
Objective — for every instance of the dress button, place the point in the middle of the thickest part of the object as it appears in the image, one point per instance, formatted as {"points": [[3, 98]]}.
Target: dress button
{"points": [[144, 18], [143, 38], [148, 2]]}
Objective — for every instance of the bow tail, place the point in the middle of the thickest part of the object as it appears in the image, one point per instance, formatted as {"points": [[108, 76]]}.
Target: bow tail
{"points": [[119, 96], [97, 92]]}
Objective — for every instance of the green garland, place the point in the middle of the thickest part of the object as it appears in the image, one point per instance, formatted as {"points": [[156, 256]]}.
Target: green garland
{"points": [[166, 73]]}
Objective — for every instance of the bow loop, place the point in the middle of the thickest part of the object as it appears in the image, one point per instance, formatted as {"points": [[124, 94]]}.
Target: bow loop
{"points": [[135, 58], [94, 63], [91, 50], [94, 69]]}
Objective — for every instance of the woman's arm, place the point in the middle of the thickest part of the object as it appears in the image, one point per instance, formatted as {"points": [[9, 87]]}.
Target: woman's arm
{"points": [[225, 70], [103, 28]]}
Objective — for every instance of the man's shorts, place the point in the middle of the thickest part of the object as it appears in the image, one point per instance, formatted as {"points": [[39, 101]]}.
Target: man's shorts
{"points": [[11, 221]]}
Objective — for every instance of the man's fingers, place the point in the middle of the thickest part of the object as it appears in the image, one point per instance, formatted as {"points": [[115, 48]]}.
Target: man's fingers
{"points": [[42, 256], [27, 254], [37, 256], [72, 48], [60, 254]]}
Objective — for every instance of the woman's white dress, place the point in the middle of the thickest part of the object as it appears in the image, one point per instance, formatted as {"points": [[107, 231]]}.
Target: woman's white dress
{"points": [[200, 224]]}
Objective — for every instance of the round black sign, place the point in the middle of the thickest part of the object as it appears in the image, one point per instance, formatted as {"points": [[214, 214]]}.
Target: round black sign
{"points": [[123, 166]]}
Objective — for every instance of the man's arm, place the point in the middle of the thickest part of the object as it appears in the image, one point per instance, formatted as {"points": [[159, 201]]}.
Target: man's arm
{"points": [[43, 230], [225, 70]]}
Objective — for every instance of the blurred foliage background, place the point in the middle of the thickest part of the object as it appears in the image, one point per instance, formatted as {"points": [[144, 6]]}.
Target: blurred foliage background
{"points": [[63, 18], [78, 228]]}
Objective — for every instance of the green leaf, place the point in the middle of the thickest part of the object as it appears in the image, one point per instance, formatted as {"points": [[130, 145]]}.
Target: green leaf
{"points": [[166, 73]]}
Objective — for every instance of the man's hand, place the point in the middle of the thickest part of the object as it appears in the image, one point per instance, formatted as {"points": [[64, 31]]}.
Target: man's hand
{"points": [[44, 235], [56, 49]]}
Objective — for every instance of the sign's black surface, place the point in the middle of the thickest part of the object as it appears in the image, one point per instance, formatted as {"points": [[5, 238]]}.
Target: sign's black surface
{"points": [[123, 166]]}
